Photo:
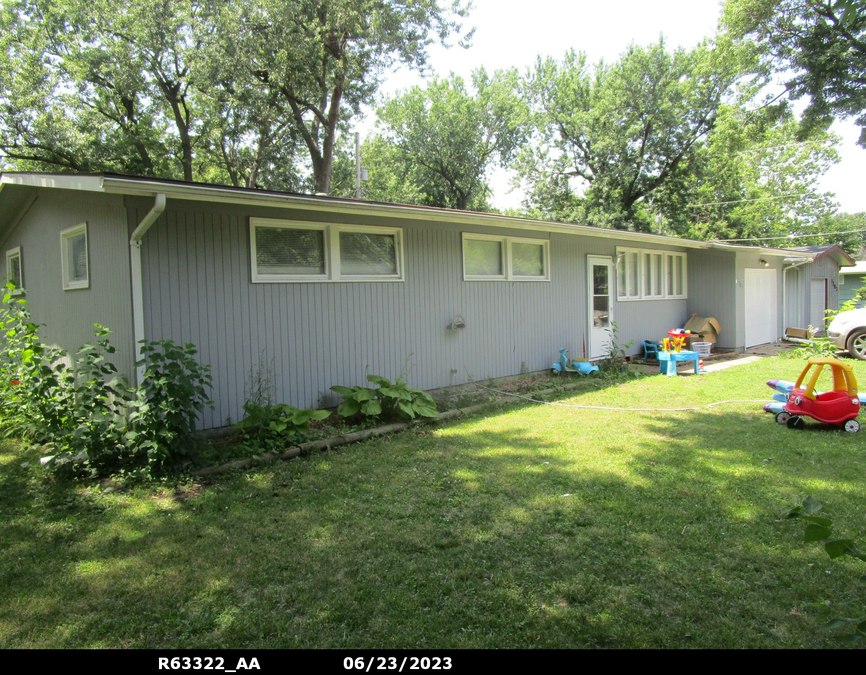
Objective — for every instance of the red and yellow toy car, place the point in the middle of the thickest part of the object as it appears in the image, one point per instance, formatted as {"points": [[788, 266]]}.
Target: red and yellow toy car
{"points": [[839, 407]]}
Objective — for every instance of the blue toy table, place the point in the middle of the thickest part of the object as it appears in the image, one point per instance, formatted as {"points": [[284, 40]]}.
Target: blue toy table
{"points": [[668, 361]]}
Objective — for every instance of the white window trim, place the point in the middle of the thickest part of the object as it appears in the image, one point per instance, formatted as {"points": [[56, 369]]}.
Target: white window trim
{"points": [[507, 243], [331, 240], [65, 236], [11, 254], [643, 292]]}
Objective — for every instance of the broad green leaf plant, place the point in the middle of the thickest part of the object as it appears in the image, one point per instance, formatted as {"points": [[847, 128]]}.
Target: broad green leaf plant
{"points": [[390, 400]]}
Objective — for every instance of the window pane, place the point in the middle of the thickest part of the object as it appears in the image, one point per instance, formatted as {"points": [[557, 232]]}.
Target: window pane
{"points": [[658, 273], [648, 288], [633, 278], [599, 280], [621, 290], [284, 251], [670, 275], [483, 258], [362, 253], [527, 260], [600, 311], [680, 277], [77, 251], [14, 271]]}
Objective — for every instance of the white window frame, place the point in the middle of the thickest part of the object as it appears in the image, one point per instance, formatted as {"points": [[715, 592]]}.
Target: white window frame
{"points": [[65, 236], [649, 291], [331, 243], [11, 254], [507, 266]]}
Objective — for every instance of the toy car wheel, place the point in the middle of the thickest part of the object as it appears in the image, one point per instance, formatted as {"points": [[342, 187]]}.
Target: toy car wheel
{"points": [[857, 344], [783, 417], [852, 426], [795, 422]]}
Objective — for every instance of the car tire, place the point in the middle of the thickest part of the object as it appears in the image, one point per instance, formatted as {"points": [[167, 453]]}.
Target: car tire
{"points": [[856, 344]]}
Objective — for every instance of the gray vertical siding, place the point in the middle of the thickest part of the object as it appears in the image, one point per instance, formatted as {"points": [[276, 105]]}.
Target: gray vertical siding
{"points": [[69, 315], [197, 289], [712, 292]]}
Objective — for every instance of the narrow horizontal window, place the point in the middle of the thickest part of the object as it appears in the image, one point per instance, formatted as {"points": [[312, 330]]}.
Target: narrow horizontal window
{"points": [[285, 251], [368, 254], [483, 258], [289, 252], [74, 259], [492, 258]]}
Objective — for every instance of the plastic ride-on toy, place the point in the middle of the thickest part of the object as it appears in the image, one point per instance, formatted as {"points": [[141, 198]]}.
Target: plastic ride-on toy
{"points": [[839, 407]]}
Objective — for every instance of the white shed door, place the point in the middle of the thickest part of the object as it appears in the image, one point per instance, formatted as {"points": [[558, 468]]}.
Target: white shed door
{"points": [[761, 307], [818, 303]]}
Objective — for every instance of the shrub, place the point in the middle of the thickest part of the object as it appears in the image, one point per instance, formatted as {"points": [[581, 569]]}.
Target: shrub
{"points": [[88, 415], [270, 426], [390, 400], [165, 406]]}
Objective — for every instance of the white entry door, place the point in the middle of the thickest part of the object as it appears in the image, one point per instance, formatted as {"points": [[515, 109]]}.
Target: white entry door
{"points": [[761, 307], [600, 286]]}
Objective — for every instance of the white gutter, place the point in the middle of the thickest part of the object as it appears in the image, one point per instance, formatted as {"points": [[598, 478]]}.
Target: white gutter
{"points": [[224, 194], [137, 283]]}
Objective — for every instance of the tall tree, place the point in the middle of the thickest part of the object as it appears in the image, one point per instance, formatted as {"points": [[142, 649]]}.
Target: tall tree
{"points": [[325, 58], [438, 143], [818, 47], [100, 85], [752, 179], [613, 135]]}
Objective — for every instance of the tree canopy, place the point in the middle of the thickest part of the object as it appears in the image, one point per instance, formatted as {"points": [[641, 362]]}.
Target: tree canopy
{"points": [[617, 132], [203, 90], [817, 46], [437, 143]]}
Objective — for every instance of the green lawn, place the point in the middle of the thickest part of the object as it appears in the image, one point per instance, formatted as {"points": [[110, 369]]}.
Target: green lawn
{"points": [[539, 526]]}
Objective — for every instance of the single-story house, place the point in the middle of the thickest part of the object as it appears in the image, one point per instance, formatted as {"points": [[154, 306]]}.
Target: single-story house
{"points": [[851, 280], [325, 290]]}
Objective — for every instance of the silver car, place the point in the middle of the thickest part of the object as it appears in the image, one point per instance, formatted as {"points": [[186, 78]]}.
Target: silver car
{"points": [[848, 331]]}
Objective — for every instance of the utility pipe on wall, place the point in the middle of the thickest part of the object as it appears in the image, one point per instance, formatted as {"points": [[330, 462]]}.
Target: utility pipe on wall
{"points": [[137, 283]]}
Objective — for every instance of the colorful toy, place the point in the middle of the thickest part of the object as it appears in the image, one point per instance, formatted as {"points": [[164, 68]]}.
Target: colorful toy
{"points": [[565, 365], [839, 407]]}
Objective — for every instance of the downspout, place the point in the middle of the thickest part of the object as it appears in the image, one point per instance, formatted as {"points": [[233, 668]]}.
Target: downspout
{"points": [[785, 289], [137, 283]]}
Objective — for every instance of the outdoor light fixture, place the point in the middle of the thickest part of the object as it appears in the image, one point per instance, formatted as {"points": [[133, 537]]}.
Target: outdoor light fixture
{"points": [[764, 263]]}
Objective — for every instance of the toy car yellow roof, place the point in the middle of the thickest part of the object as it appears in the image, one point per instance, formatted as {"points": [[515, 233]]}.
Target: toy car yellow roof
{"points": [[843, 376]]}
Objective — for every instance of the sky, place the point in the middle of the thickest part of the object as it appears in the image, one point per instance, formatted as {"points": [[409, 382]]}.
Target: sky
{"points": [[512, 33]]}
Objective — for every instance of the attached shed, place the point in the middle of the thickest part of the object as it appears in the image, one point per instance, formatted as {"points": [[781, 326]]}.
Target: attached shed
{"points": [[812, 287], [326, 290]]}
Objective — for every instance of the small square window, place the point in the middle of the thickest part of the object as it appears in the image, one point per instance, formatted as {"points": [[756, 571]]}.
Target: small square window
{"points": [[369, 254], [14, 270], [74, 258], [289, 252], [483, 258]]}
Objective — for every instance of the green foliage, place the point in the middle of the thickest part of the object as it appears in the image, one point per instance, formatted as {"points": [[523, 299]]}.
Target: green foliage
{"points": [[249, 93], [89, 416], [818, 47], [272, 426], [614, 135], [167, 403], [614, 363], [438, 142], [819, 528], [390, 400]]}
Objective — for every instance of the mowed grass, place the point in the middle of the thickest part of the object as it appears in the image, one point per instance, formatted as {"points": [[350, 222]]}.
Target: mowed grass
{"points": [[536, 526]]}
